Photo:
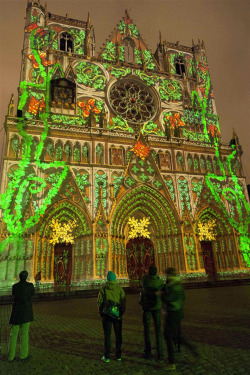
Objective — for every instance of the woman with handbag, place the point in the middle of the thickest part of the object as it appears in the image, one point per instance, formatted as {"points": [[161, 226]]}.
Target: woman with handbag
{"points": [[112, 304]]}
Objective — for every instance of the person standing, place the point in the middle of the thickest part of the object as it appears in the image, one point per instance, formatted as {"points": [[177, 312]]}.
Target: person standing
{"points": [[112, 304], [38, 279], [173, 297], [21, 316], [151, 305]]}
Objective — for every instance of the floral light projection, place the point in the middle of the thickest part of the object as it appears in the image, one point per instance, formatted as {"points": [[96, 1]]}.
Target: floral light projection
{"points": [[174, 120], [62, 233], [28, 195], [88, 107], [141, 150], [139, 228], [206, 230]]}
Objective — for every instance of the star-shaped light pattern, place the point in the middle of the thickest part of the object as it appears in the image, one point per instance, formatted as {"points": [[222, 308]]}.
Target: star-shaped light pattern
{"points": [[62, 233], [141, 150], [205, 231], [138, 228]]}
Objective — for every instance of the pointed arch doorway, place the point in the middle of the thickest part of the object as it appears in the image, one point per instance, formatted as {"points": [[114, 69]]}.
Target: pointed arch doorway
{"points": [[140, 256], [62, 264]]}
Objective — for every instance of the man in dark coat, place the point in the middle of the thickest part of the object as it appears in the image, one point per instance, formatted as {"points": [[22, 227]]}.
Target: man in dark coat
{"points": [[173, 297], [151, 305], [21, 316]]}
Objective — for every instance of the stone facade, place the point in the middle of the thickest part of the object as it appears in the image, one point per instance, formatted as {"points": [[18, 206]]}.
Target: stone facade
{"points": [[100, 139]]}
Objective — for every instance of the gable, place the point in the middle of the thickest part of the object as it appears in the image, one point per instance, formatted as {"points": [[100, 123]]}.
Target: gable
{"points": [[125, 45]]}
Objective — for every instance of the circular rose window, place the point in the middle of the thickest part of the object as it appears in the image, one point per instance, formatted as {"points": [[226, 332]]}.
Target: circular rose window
{"points": [[133, 101]]}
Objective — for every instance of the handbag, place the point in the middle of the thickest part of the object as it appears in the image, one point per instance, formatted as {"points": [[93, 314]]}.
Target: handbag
{"points": [[110, 308]]}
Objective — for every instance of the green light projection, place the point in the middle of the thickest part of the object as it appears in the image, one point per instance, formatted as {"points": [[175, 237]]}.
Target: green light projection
{"points": [[233, 195], [12, 200], [33, 104], [90, 75]]}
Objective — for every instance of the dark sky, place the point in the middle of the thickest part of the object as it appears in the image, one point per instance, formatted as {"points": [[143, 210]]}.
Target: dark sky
{"points": [[222, 24]]}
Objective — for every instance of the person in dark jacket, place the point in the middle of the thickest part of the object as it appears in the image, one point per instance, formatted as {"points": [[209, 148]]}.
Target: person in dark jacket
{"points": [[21, 316], [38, 279], [151, 305], [173, 297], [114, 293]]}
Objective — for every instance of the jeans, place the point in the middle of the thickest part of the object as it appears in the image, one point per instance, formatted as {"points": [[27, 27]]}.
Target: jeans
{"points": [[107, 324], [157, 323], [24, 340], [172, 334]]}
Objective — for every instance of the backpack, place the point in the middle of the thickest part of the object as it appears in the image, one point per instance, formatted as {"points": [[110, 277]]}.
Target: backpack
{"points": [[110, 308]]}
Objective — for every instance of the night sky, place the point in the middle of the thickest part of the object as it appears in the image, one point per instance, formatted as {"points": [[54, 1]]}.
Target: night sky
{"points": [[222, 24]]}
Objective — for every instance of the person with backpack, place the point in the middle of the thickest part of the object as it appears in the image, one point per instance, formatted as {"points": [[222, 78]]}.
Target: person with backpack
{"points": [[112, 304], [173, 297], [151, 305]]}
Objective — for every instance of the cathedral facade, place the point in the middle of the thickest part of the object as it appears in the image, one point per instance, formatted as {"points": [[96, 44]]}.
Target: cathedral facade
{"points": [[113, 161]]}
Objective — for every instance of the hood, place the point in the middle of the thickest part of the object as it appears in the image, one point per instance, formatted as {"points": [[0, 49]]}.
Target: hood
{"points": [[111, 285], [174, 280]]}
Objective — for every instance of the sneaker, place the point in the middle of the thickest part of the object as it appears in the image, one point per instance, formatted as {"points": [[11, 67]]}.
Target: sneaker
{"points": [[170, 366], [104, 359], [26, 359]]}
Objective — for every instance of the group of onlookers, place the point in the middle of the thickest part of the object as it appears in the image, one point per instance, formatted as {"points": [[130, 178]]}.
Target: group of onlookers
{"points": [[154, 294], [112, 304]]}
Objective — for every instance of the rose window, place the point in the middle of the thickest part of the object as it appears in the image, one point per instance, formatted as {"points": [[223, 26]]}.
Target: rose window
{"points": [[132, 101]]}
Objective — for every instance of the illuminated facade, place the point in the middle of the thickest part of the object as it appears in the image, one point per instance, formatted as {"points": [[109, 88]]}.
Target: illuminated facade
{"points": [[100, 142]]}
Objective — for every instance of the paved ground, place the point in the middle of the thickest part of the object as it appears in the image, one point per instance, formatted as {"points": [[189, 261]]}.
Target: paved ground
{"points": [[66, 337]]}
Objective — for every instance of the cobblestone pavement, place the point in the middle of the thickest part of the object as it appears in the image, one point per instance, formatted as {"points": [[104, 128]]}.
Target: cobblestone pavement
{"points": [[66, 337]]}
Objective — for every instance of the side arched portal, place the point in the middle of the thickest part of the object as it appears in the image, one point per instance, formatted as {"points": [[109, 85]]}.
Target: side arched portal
{"points": [[223, 250], [164, 228], [82, 254]]}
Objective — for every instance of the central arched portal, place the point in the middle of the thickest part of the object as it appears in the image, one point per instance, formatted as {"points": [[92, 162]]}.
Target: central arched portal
{"points": [[62, 264], [140, 256]]}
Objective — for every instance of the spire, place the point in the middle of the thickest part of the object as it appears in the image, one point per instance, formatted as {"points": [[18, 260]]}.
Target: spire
{"points": [[126, 13], [160, 40], [11, 106], [235, 142], [87, 41], [88, 22]]}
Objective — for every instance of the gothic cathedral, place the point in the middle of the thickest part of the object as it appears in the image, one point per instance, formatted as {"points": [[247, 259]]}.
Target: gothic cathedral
{"points": [[113, 160]]}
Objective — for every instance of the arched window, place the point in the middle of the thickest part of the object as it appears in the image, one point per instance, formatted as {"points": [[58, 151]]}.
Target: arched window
{"points": [[99, 154], [68, 150], [180, 66], [59, 150], [77, 152], [66, 43], [196, 163], [164, 160], [180, 161], [129, 46], [190, 163], [86, 153], [116, 155]]}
